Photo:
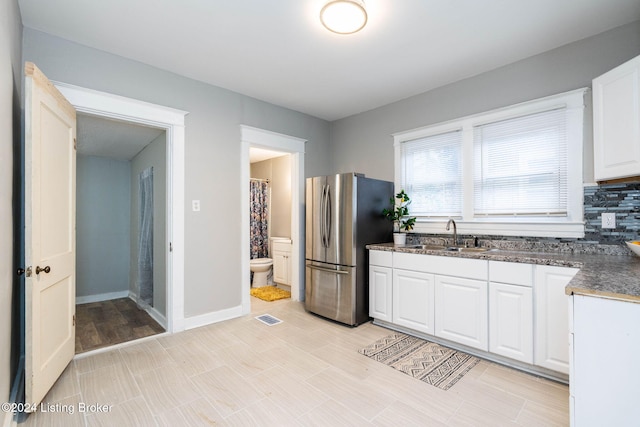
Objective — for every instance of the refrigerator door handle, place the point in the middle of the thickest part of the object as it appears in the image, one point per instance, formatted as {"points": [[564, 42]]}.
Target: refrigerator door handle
{"points": [[328, 270], [327, 213], [322, 215]]}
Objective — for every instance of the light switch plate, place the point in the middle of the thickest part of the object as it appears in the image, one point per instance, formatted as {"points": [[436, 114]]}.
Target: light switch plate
{"points": [[608, 220]]}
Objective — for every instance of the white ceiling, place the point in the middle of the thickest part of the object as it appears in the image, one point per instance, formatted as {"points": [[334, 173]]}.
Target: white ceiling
{"points": [[98, 136], [260, 154], [278, 51]]}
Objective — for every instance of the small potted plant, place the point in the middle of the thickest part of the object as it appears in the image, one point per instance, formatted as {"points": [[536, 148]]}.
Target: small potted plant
{"points": [[398, 213]]}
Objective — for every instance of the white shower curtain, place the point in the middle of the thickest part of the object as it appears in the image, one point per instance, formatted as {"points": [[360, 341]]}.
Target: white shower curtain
{"points": [[145, 237]]}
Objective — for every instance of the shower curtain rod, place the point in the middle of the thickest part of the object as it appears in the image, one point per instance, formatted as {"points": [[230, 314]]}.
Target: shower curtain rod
{"points": [[259, 180]]}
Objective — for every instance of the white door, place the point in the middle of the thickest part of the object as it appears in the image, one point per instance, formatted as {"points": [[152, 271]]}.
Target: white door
{"points": [[50, 165]]}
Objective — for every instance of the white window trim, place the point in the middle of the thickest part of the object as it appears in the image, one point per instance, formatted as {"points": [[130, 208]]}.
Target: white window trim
{"points": [[571, 226]]}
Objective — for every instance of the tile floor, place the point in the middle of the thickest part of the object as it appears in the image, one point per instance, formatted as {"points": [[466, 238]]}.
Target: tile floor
{"points": [[303, 372], [105, 323]]}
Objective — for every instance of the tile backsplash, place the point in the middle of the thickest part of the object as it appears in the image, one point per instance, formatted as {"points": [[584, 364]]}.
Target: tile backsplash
{"points": [[621, 199]]}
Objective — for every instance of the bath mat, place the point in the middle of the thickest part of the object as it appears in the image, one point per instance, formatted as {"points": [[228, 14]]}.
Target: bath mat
{"points": [[270, 293], [434, 364]]}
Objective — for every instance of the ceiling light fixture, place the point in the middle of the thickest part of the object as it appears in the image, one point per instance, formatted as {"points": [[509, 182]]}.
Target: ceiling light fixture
{"points": [[344, 16]]}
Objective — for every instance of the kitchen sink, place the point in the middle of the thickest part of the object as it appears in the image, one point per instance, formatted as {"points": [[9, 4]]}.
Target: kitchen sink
{"points": [[427, 247], [456, 249], [450, 248]]}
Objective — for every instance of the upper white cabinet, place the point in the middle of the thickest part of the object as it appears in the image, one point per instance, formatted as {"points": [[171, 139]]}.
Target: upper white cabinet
{"points": [[552, 317], [616, 122]]}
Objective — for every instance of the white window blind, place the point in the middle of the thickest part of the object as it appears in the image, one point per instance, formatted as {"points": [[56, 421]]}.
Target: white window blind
{"points": [[521, 166], [432, 174]]}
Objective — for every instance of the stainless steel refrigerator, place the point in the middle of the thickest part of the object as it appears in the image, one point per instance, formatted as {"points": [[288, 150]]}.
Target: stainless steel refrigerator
{"points": [[343, 214]]}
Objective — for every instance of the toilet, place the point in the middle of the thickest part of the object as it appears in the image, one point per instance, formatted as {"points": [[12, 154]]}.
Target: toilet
{"points": [[261, 267]]}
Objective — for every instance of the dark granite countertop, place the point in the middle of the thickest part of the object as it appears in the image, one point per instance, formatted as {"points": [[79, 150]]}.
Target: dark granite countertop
{"points": [[608, 276]]}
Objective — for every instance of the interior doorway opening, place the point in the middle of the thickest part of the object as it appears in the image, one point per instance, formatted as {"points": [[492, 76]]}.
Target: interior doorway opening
{"points": [[170, 120], [253, 138], [121, 196]]}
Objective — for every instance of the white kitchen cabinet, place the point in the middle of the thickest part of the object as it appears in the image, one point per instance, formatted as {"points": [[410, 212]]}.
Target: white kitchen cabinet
{"points": [[282, 262], [461, 311], [605, 375], [511, 321], [380, 292], [551, 339], [616, 122], [511, 310], [380, 285], [413, 300]]}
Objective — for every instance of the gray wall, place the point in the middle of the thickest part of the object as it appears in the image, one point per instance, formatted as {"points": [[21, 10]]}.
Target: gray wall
{"points": [[103, 209], [153, 155], [278, 172], [212, 153], [10, 102], [364, 142]]}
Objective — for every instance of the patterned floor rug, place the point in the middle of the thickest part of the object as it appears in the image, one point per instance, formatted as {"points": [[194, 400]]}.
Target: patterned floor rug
{"points": [[270, 293], [434, 364]]}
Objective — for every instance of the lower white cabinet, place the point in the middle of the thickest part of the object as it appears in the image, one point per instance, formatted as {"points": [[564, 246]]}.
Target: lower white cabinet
{"points": [[552, 317], [515, 310], [413, 303], [605, 375], [282, 262], [461, 311], [380, 289], [511, 321]]}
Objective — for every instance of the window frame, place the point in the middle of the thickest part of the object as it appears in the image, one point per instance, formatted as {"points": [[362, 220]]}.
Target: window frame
{"points": [[571, 226]]}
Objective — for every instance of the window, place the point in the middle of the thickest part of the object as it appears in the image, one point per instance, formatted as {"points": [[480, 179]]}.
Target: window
{"points": [[513, 171], [521, 166], [432, 171]]}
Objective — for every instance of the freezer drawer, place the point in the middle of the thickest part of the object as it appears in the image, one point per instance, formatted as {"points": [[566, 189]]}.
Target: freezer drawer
{"points": [[331, 292]]}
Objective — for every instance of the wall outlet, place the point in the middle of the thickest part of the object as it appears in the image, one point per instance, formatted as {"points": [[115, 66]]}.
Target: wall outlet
{"points": [[195, 205], [608, 220]]}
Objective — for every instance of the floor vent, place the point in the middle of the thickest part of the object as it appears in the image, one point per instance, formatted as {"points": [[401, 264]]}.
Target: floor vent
{"points": [[268, 319]]}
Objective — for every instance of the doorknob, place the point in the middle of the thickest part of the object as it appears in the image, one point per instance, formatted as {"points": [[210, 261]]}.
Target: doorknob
{"points": [[39, 270]]}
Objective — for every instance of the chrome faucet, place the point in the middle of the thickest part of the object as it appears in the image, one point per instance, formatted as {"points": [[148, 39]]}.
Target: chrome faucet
{"points": [[455, 231]]}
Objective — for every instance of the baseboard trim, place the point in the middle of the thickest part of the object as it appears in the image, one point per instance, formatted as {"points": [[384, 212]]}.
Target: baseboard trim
{"points": [[213, 317], [101, 297], [151, 311]]}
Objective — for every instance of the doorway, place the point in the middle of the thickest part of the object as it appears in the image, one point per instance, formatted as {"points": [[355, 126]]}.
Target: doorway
{"points": [[121, 223], [262, 139], [172, 121]]}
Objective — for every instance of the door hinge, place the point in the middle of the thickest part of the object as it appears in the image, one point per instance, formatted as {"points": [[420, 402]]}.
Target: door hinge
{"points": [[74, 320], [75, 144], [170, 247]]}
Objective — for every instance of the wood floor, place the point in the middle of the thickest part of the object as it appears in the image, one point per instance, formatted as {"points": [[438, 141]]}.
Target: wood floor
{"points": [[105, 323], [305, 371]]}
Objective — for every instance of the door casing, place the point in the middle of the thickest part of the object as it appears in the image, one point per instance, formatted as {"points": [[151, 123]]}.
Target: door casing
{"points": [[172, 120]]}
